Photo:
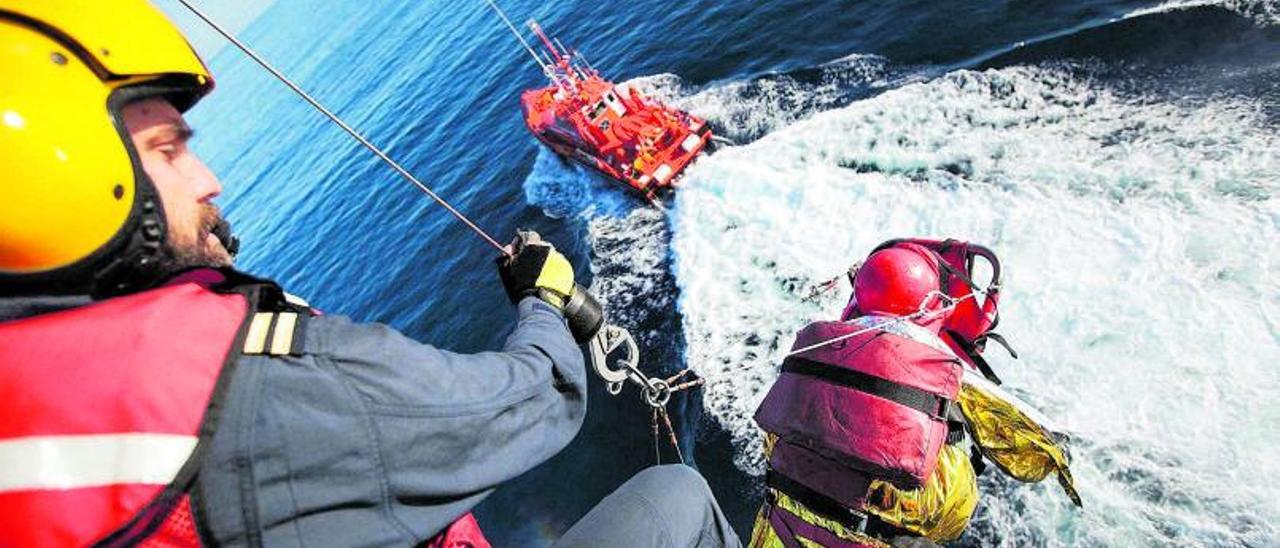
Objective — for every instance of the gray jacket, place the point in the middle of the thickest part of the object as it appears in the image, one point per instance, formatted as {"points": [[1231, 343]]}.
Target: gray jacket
{"points": [[370, 438]]}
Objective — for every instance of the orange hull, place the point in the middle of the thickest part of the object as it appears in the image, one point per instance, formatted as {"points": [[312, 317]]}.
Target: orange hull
{"points": [[642, 144]]}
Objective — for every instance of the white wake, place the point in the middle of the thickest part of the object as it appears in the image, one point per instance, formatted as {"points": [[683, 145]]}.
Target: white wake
{"points": [[1138, 237]]}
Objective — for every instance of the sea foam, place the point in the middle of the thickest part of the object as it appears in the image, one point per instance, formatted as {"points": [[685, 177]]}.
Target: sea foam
{"points": [[1137, 237]]}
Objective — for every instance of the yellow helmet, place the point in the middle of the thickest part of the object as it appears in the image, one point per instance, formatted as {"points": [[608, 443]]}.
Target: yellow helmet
{"points": [[77, 211]]}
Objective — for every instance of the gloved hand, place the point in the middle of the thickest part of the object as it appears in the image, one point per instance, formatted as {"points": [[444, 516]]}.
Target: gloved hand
{"points": [[535, 268]]}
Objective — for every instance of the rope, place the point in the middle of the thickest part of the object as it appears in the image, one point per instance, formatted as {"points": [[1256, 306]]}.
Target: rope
{"points": [[923, 313], [350, 131]]}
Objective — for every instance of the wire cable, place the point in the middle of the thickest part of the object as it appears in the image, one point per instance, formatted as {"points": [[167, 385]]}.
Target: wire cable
{"points": [[350, 131]]}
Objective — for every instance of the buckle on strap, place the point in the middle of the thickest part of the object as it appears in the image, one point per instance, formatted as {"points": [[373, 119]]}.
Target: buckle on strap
{"points": [[857, 521], [945, 410]]}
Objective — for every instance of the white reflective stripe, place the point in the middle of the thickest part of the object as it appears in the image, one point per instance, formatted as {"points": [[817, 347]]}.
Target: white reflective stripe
{"points": [[70, 462], [255, 341]]}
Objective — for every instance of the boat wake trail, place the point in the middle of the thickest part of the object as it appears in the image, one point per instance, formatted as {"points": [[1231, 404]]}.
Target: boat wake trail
{"points": [[1135, 219], [1131, 230], [746, 110]]}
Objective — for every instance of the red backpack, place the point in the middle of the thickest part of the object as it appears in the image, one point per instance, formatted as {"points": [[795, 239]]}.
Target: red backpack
{"points": [[971, 324]]}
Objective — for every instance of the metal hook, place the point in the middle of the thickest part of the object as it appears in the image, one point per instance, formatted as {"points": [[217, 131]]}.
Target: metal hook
{"points": [[617, 344]]}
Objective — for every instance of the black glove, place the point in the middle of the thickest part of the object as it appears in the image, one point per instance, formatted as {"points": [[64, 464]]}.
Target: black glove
{"points": [[535, 268]]}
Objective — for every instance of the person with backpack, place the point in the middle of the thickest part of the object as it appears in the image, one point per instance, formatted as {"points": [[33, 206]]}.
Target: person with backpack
{"points": [[880, 423]]}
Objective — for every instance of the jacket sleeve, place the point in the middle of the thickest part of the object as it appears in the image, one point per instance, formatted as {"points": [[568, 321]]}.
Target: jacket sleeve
{"points": [[451, 427]]}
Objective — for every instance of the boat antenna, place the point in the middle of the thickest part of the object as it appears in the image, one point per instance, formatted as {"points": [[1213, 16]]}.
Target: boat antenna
{"points": [[527, 48], [585, 61], [350, 131], [537, 29]]}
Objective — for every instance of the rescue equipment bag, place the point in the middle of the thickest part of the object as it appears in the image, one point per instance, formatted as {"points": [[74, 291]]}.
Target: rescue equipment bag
{"points": [[878, 403]]}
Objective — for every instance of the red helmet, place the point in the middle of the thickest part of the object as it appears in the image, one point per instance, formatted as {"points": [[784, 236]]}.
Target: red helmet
{"points": [[895, 281]]}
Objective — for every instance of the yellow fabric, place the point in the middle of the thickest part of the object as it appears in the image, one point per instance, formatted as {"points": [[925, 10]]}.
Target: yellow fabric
{"points": [[62, 160], [763, 535], [68, 185], [1009, 436], [939, 510], [556, 275]]}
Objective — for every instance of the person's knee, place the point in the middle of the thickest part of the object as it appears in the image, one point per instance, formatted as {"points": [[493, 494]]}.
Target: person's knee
{"points": [[673, 478], [678, 489], [668, 505]]}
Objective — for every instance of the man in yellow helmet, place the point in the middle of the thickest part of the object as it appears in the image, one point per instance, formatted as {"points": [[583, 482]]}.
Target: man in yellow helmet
{"points": [[153, 394]]}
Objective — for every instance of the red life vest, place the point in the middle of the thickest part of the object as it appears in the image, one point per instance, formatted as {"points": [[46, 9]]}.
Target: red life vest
{"points": [[106, 414], [873, 406]]}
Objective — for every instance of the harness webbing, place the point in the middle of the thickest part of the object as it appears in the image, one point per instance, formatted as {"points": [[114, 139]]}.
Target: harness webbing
{"points": [[933, 405], [829, 508]]}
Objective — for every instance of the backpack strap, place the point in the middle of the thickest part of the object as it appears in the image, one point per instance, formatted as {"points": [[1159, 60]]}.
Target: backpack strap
{"points": [[999, 339], [975, 354]]}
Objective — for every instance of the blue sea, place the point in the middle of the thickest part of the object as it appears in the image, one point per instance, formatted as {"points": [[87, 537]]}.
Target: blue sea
{"points": [[1122, 157]]}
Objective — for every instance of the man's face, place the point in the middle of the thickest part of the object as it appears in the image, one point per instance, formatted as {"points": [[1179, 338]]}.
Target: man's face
{"points": [[186, 186]]}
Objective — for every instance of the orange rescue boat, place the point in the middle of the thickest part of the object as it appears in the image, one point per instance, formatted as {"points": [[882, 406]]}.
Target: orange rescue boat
{"points": [[636, 141]]}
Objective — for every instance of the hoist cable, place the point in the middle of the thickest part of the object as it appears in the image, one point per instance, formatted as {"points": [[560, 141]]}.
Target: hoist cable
{"points": [[350, 131]]}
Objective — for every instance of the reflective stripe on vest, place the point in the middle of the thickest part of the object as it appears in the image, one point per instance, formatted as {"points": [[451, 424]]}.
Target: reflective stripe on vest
{"points": [[103, 407], [92, 460]]}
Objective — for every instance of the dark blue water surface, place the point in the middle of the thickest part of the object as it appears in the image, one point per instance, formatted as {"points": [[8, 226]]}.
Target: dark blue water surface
{"points": [[437, 84]]}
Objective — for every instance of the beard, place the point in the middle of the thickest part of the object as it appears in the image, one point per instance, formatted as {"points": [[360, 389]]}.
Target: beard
{"points": [[205, 243], [208, 248]]}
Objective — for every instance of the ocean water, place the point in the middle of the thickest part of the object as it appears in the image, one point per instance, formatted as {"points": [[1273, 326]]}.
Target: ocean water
{"points": [[1123, 158]]}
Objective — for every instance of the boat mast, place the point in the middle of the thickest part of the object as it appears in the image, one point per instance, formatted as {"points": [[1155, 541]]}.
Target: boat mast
{"points": [[545, 41]]}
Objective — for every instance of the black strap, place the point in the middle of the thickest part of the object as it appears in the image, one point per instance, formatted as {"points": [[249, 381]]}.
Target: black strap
{"points": [[974, 354], [976, 460], [955, 425], [1000, 339], [937, 407], [831, 509]]}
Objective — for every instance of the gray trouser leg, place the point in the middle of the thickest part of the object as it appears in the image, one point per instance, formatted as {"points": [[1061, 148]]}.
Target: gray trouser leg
{"points": [[664, 506]]}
